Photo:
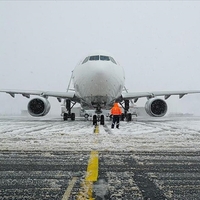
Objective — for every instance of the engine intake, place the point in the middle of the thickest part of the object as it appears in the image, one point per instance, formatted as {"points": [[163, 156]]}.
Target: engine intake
{"points": [[38, 107], [156, 107]]}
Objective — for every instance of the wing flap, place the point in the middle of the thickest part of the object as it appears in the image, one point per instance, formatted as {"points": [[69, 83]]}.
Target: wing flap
{"points": [[26, 93], [166, 94]]}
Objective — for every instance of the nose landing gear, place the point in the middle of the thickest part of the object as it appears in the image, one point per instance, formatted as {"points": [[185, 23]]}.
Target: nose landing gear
{"points": [[98, 118]]}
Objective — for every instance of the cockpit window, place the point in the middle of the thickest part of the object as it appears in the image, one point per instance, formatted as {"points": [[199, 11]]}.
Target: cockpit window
{"points": [[101, 57], [86, 59], [94, 58], [112, 59], [105, 58]]}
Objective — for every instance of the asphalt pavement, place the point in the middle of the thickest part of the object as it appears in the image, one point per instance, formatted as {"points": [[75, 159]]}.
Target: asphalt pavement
{"points": [[121, 175]]}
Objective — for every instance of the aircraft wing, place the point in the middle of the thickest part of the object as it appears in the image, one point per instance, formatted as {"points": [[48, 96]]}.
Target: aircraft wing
{"points": [[166, 94], [26, 93]]}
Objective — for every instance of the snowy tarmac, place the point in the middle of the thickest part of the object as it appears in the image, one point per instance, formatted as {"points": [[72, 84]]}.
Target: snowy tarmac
{"points": [[145, 134], [47, 158]]}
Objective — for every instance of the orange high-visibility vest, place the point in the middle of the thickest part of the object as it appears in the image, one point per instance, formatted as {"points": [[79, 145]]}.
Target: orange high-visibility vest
{"points": [[116, 110]]}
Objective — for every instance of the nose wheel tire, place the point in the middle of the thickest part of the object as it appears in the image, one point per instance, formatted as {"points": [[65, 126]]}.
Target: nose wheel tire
{"points": [[102, 121], [94, 120]]}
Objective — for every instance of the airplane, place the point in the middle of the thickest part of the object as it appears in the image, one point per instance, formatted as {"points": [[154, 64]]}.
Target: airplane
{"points": [[98, 82]]}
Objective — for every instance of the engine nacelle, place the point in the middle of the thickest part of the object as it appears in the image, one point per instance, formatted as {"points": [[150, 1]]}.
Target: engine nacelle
{"points": [[38, 107], [156, 107]]}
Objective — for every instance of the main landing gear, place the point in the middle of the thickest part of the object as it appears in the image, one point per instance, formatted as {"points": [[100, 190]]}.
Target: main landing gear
{"points": [[126, 115], [69, 115], [98, 118]]}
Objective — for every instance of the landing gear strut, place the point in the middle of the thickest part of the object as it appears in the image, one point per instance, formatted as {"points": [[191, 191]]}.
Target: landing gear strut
{"points": [[127, 115], [69, 106]]}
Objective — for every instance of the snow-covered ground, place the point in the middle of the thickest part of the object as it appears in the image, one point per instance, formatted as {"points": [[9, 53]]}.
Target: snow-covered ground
{"points": [[142, 134]]}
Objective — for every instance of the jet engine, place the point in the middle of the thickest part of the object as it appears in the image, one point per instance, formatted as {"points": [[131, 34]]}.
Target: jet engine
{"points": [[156, 107], [38, 107]]}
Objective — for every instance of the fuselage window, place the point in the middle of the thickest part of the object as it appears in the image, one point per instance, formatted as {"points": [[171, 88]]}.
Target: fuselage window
{"points": [[112, 60], [86, 59], [105, 58], [94, 58]]}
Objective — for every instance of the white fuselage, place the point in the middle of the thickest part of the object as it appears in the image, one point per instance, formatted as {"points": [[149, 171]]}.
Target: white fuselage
{"points": [[98, 82]]}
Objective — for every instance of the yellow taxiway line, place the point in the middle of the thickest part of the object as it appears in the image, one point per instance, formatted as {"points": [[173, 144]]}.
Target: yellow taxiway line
{"points": [[96, 129], [93, 165], [86, 189], [91, 176]]}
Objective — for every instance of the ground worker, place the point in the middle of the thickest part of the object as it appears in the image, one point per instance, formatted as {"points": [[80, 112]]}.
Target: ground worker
{"points": [[116, 113]]}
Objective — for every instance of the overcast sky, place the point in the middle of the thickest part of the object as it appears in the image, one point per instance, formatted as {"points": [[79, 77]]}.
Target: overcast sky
{"points": [[157, 43]]}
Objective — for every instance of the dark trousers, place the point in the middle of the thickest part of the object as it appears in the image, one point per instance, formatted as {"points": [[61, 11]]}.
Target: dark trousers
{"points": [[115, 120]]}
